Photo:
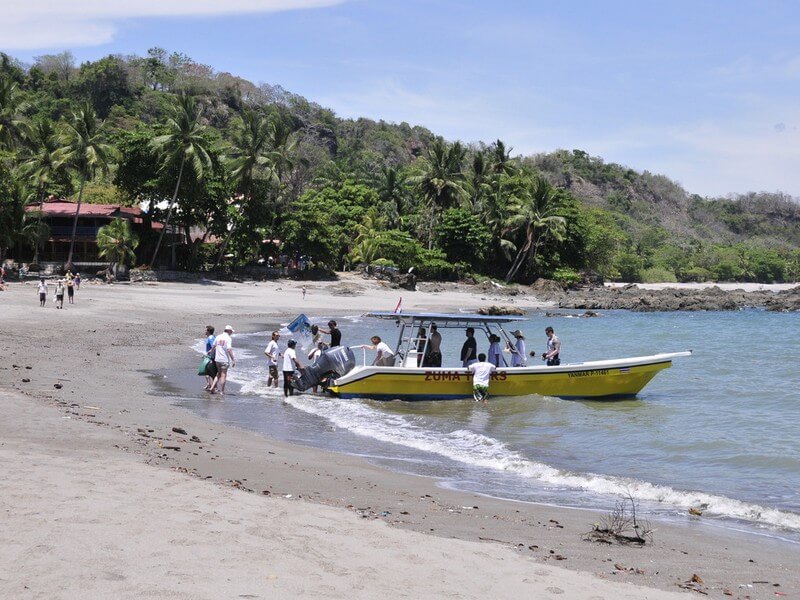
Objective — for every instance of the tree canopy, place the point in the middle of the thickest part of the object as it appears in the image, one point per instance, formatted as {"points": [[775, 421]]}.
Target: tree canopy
{"points": [[243, 171]]}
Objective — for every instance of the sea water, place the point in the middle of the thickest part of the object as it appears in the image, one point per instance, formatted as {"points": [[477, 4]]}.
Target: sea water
{"points": [[719, 431]]}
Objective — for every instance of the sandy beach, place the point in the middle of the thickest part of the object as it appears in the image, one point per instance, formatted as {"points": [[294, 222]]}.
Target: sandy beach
{"points": [[102, 499]]}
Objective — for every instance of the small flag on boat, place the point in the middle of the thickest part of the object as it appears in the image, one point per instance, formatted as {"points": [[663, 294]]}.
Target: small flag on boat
{"points": [[300, 325], [397, 308]]}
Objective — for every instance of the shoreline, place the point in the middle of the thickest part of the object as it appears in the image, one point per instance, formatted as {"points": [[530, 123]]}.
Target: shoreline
{"points": [[138, 328], [178, 381]]}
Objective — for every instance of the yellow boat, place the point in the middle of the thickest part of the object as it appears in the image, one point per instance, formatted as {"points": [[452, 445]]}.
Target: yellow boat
{"points": [[601, 379]]}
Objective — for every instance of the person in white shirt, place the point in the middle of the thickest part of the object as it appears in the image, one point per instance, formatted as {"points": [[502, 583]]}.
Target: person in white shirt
{"points": [[290, 365], [385, 356], [60, 293], [42, 292], [481, 374], [222, 353], [271, 352], [518, 355]]}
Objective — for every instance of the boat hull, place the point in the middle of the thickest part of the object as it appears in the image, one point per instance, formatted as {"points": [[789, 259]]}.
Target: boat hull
{"points": [[599, 379]]}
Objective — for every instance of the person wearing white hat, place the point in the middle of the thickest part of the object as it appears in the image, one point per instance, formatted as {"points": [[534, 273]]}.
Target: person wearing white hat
{"points": [[518, 355], [222, 353]]}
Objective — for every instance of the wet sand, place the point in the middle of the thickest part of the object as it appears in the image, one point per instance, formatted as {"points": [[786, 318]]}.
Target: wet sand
{"points": [[99, 503]]}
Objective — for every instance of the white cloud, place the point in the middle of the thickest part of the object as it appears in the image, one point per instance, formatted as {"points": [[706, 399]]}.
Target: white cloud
{"points": [[35, 24]]}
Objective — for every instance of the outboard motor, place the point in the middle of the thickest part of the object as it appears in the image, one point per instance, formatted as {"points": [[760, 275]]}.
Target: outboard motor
{"points": [[332, 362]]}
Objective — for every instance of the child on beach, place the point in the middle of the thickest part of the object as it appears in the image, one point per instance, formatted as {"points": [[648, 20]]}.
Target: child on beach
{"points": [[60, 294], [42, 292], [210, 337], [481, 374], [71, 290]]}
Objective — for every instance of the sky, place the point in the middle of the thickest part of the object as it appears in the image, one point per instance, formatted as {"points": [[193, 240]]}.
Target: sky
{"points": [[703, 91]]}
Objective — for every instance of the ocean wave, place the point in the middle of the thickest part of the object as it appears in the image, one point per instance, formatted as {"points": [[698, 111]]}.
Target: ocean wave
{"points": [[478, 450]]}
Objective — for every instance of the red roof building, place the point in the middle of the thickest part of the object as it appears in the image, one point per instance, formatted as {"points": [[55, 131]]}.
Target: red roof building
{"points": [[59, 215]]}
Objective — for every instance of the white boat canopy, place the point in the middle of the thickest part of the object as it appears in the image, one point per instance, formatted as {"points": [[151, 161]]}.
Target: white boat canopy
{"points": [[451, 320], [412, 345]]}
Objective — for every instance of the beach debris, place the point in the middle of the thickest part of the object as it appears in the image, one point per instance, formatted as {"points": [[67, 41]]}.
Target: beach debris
{"points": [[288, 496], [58, 386], [634, 570], [727, 592], [694, 584], [25, 380], [695, 511], [622, 525], [179, 430], [194, 438]]}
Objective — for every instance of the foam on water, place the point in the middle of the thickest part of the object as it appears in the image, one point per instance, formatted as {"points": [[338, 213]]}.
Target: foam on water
{"points": [[483, 452], [478, 450]]}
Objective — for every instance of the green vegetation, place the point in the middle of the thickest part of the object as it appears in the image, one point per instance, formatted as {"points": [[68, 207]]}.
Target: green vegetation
{"points": [[233, 166], [117, 243]]}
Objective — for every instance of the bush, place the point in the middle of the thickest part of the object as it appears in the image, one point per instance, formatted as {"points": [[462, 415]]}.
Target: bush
{"points": [[383, 262], [695, 275], [566, 276], [658, 275], [629, 266], [463, 236], [432, 265]]}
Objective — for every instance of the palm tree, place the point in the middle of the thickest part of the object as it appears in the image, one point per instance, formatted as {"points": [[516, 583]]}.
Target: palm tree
{"points": [[13, 215], [117, 243], [84, 150], [501, 168], [41, 164], [479, 181], [440, 179], [391, 186], [252, 153], [35, 232], [12, 106], [365, 252], [535, 217], [183, 142]]}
